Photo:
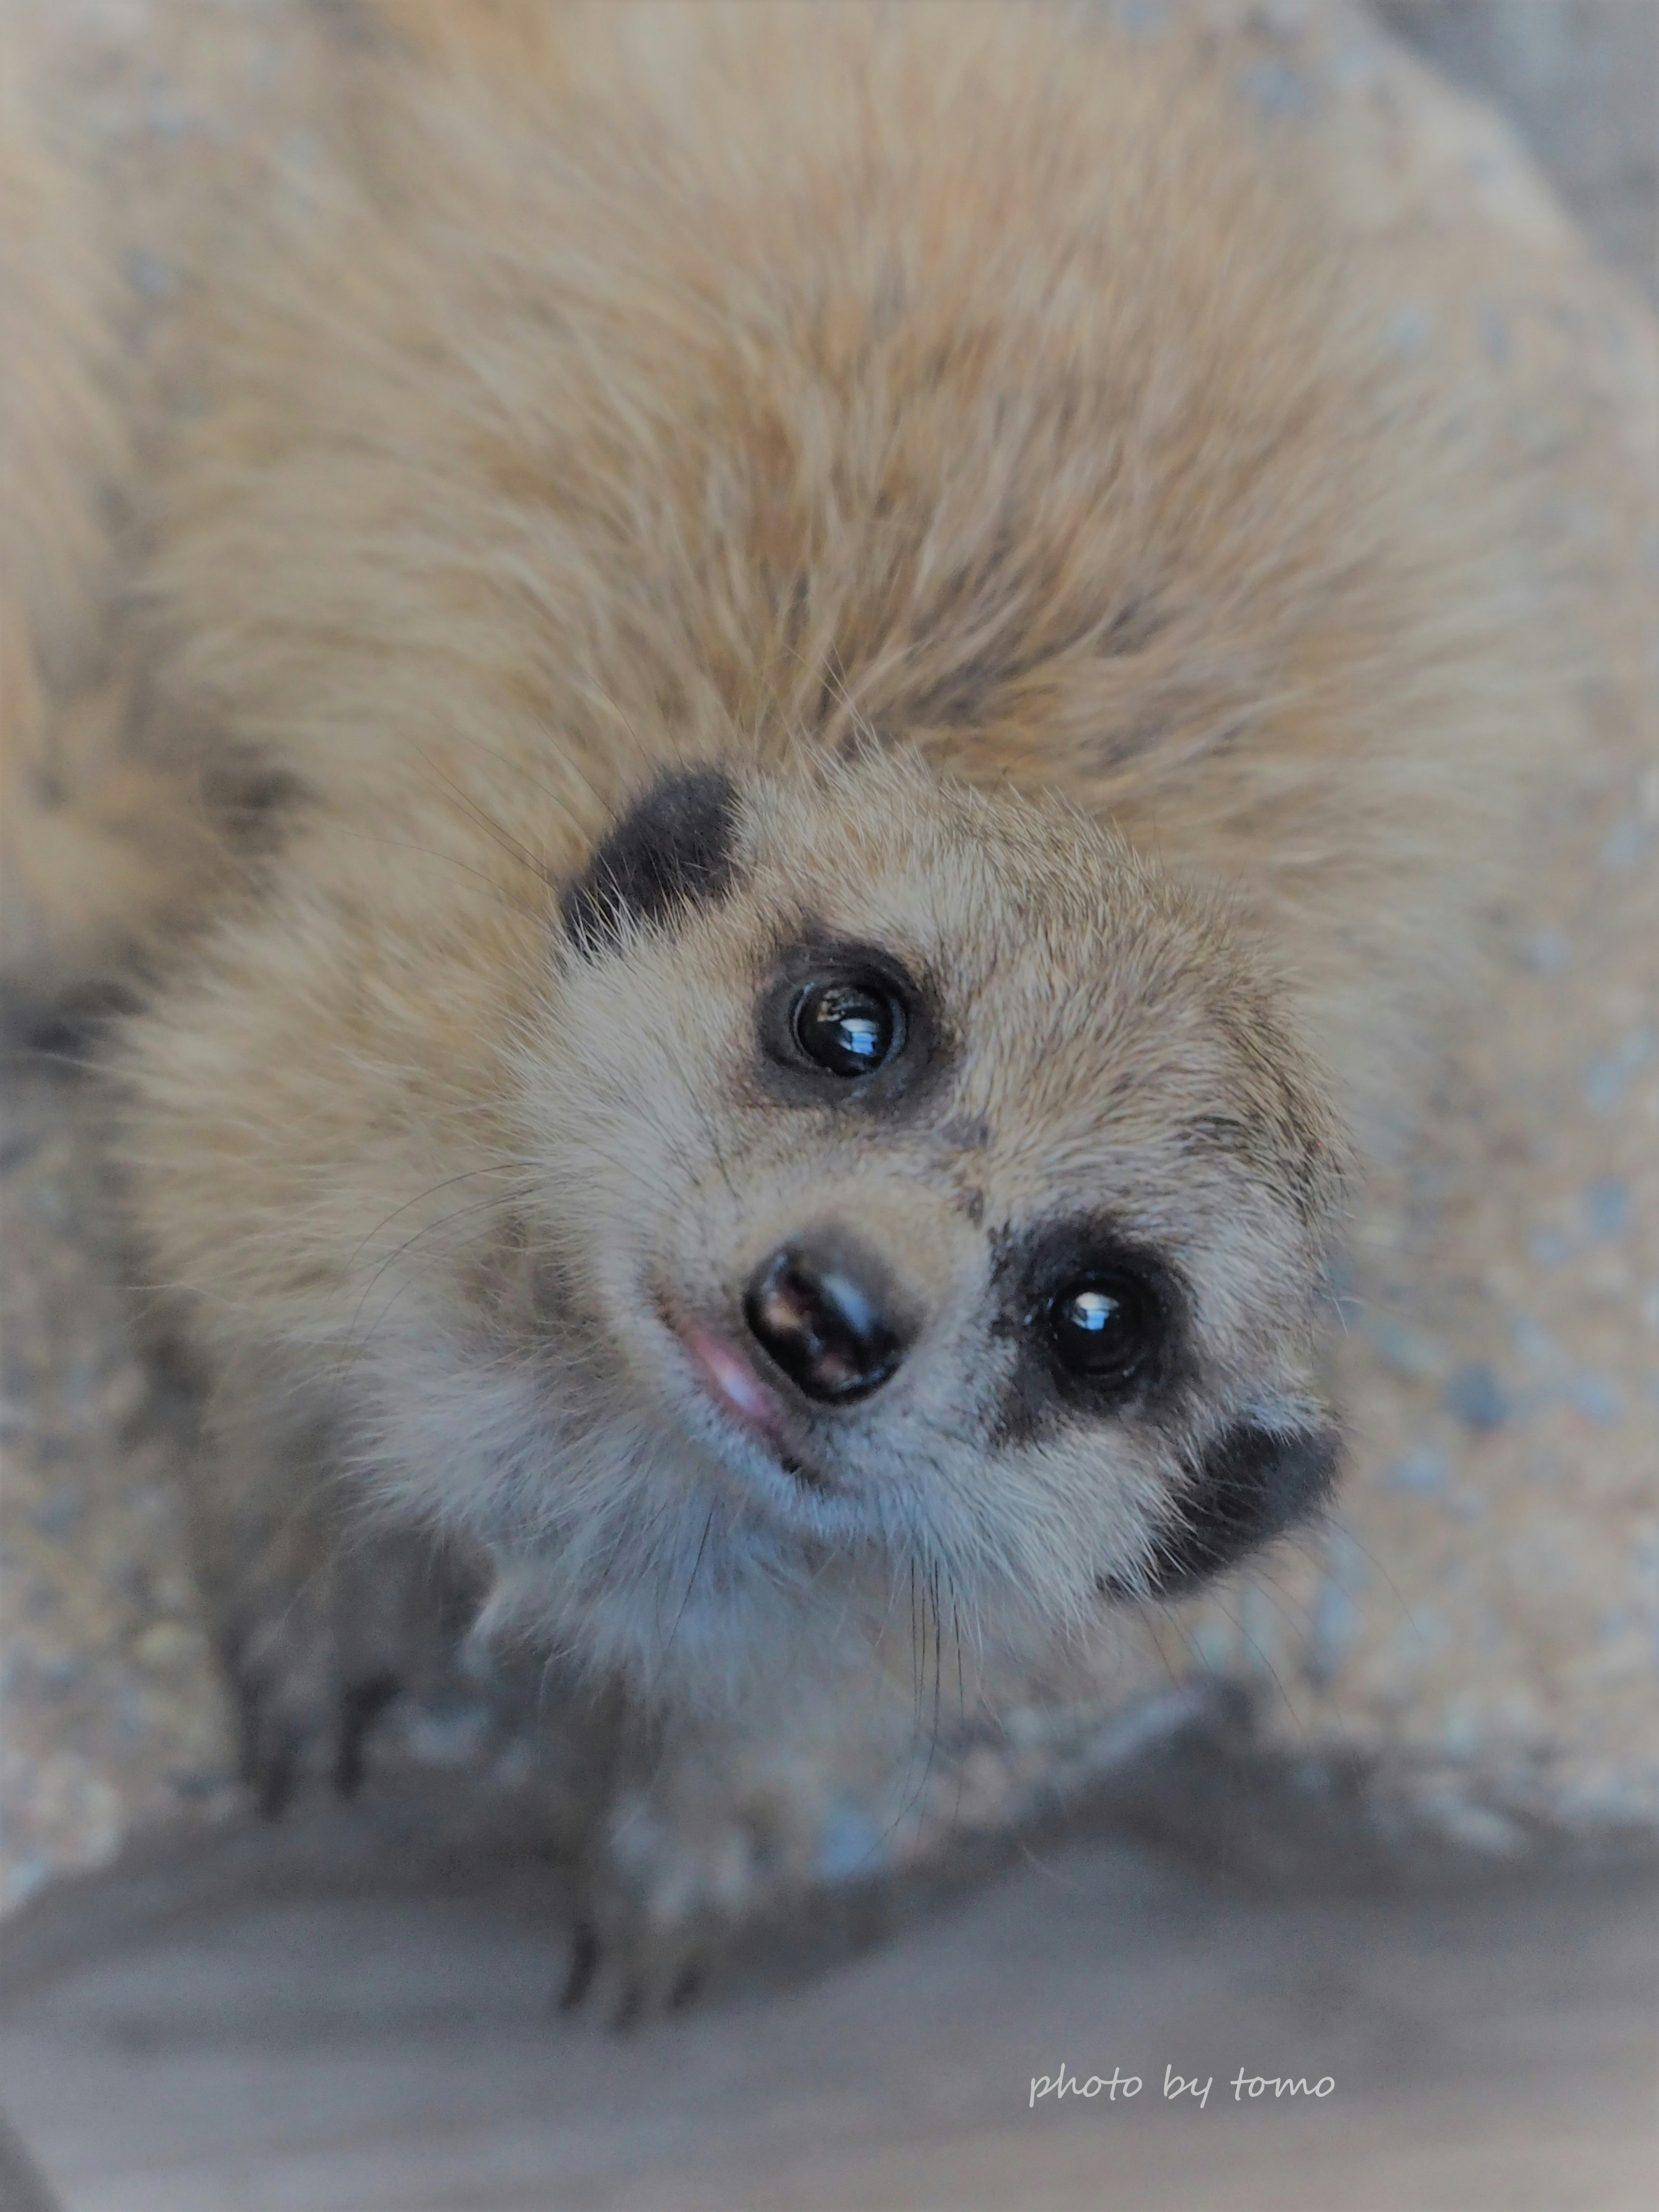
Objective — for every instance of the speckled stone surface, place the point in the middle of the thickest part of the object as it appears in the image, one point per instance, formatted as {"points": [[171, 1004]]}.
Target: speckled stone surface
{"points": [[1580, 78], [1477, 1621], [1483, 1606], [110, 1715]]}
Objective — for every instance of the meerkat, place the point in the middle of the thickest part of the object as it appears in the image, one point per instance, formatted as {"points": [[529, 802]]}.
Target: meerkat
{"points": [[891, 720]]}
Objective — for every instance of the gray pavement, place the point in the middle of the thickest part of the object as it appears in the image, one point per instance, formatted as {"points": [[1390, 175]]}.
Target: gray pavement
{"points": [[314, 2026]]}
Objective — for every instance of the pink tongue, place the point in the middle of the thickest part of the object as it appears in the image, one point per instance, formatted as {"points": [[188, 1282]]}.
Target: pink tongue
{"points": [[733, 1381]]}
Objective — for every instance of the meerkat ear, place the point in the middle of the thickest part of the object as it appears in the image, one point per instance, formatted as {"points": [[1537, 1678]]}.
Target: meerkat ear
{"points": [[1257, 1479], [673, 848]]}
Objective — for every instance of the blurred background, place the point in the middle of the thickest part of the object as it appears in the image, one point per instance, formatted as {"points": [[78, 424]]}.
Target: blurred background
{"points": [[354, 2013], [1580, 80]]}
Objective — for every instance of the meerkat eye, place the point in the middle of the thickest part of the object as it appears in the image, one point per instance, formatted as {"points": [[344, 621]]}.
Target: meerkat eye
{"points": [[845, 1024], [850, 1027], [1105, 1327]]}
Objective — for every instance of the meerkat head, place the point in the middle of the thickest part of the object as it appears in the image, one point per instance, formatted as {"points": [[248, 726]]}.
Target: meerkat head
{"points": [[923, 1183]]}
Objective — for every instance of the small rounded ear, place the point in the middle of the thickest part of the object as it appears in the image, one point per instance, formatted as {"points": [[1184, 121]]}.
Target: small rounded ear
{"points": [[1253, 1482], [674, 848]]}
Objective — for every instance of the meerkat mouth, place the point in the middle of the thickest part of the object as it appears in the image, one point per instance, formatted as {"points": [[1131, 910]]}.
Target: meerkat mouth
{"points": [[737, 1390], [732, 1382]]}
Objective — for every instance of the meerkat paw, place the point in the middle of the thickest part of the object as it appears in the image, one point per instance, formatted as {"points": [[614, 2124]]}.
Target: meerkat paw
{"points": [[281, 1678], [687, 1852], [322, 1621], [307, 1686]]}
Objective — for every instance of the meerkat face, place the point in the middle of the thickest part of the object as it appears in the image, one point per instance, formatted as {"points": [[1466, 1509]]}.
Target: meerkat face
{"points": [[922, 1182]]}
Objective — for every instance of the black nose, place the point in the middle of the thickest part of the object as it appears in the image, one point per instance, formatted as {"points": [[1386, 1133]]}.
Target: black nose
{"points": [[824, 1310]]}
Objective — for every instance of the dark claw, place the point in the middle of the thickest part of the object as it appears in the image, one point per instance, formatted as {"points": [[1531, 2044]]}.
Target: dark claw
{"points": [[685, 1989], [276, 1769], [247, 1745], [360, 1706], [584, 1964]]}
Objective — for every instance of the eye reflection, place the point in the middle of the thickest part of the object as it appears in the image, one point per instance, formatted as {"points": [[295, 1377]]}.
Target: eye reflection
{"points": [[1105, 1326], [848, 1028]]}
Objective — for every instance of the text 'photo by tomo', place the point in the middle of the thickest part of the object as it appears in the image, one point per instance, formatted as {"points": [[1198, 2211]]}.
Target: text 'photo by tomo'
{"points": [[830, 951]]}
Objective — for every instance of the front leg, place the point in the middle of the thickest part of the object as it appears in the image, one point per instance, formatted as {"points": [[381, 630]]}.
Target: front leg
{"points": [[321, 1617], [706, 1827]]}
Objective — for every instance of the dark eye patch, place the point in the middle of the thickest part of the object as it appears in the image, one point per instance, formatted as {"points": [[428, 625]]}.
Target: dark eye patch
{"points": [[672, 848], [1252, 1485], [1054, 1285]]}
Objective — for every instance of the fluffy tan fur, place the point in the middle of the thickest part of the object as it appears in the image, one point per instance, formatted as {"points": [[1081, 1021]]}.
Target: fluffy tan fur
{"points": [[951, 422]]}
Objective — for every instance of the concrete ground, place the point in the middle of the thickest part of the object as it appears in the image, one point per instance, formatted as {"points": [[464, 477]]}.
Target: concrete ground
{"points": [[236, 2030]]}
